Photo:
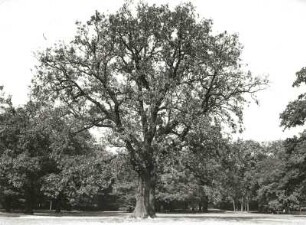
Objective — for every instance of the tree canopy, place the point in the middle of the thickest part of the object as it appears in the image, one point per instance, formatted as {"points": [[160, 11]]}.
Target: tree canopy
{"points": [[295, 113]]}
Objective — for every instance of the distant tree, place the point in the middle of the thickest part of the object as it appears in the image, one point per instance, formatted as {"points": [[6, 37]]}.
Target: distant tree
{"points": [[294, 179], [148, 75], [234, 173], [43, 152], [78, 180], [294, 115], [77, 168], [23, 148], [201, 156], [177, 186], [8, 140], [270, 170]]}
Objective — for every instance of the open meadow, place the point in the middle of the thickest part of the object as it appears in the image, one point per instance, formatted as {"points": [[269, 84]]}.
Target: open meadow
{"points": [[94, 218]]}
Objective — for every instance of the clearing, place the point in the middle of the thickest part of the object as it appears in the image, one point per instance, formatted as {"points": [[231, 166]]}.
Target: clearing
{"points": [[94, 218]]}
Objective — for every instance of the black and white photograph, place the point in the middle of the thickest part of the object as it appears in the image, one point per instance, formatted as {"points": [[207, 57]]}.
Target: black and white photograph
{"points": [[152, 112]]}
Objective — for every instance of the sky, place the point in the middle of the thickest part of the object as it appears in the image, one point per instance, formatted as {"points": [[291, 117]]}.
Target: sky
{"points": [[272, 32]]}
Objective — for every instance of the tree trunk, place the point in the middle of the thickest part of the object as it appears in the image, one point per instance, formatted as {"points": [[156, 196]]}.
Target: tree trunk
{"points": [[30, 195], [234, 205], [58, 203], [248, 206], [152, 199], [242, 204], [205, 204], [29, 204], [7, 203], [145, 198]]}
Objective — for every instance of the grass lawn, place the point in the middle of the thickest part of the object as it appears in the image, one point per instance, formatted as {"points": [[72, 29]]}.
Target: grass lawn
{"points": [[94, 218]]}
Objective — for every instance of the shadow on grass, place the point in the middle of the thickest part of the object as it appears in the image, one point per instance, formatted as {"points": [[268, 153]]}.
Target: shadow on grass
{"points": [[75, 213]]}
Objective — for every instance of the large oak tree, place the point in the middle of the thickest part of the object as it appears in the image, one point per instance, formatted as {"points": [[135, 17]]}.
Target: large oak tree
{"points": [[149, 74]]}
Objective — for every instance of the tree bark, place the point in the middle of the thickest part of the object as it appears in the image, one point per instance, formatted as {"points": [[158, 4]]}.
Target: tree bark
{"points": [[58, 203], [205, 203], [248, 206], [152, 199], [234, 205], [242, 204], [145, 198], [7, 203], [30, 201]]}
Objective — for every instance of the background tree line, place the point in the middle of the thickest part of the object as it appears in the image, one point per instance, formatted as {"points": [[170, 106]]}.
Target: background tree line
{"points": [[49, 162]]}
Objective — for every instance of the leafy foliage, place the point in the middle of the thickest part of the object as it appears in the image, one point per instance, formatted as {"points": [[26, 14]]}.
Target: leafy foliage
{"points": [[42, 152], [295, 113]]}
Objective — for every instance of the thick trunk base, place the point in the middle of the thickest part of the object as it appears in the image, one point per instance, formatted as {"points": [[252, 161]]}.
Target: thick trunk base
{"points": [[145, 199]]}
